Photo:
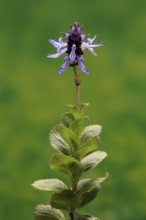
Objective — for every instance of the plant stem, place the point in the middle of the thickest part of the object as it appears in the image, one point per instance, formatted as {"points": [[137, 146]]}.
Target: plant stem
{"points": [[71, 215], [74, 186], [77, 82], [74, 189]]}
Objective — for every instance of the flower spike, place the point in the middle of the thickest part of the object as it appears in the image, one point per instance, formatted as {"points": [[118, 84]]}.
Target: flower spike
{"points": [[74, 47]]}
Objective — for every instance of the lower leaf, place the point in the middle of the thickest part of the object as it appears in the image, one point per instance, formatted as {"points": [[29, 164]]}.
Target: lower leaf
{"points": [[66, 200], [49, 185], [46, 212], [87, 190]]}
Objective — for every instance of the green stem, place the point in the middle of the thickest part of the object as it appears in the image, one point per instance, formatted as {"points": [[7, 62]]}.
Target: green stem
{"points": [[77, 83], [74, 185], [74, 189]]}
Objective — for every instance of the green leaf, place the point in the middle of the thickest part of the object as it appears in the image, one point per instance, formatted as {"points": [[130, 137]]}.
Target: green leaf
{"points": [[67, 118], [78, 216], [78, 125], [58, 143], [90, 146], [75, 110], [78, 111], [90, 131], [65, 199], [70, 138], [92, 160], [46, 212], [86, 185], [49, 185], [66, 164], [87, 190]]}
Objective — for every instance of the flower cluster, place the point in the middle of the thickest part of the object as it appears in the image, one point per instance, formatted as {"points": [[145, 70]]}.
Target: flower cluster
{"points": [[74, 47]]}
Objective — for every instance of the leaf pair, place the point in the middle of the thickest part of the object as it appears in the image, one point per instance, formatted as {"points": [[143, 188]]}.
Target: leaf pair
{"points": [[64, 198], [73, 167], [67, 142]]}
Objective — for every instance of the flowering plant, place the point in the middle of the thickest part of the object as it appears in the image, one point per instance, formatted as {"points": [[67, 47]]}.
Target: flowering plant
{"points": [[75, 141]]}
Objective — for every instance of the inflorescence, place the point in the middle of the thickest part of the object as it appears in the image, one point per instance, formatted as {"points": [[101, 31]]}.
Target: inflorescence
{"points": [[74, 47]]}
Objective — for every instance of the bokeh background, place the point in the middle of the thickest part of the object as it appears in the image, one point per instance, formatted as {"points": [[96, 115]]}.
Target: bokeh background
{"points": [[33, 96]]}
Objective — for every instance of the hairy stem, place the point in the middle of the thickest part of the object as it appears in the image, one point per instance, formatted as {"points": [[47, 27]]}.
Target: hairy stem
{"points": [[77, 82]]}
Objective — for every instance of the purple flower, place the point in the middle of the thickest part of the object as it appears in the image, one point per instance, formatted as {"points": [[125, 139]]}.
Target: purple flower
{"points": [[74, 48]]}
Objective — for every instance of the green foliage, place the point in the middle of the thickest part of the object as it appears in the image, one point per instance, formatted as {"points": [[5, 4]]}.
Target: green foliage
{"points": [[77, 145]]}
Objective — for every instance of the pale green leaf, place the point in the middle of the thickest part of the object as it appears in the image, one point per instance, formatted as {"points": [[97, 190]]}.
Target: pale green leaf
{"points": [[79, 124], [49, 185], [46, 212], [70, 138], [83, 107], [90, 131], [78, 111], [92, 160], [58, 143], [67, 118], [88, 147]]}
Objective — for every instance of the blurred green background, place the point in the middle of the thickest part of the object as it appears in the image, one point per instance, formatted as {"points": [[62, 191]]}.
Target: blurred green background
{"points": [[33, 96]]}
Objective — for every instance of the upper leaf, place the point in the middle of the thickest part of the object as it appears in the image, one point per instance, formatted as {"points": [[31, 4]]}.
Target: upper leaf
{"points": [[90, 131], [66, 164], [78, 111], [88, 147], [92, 160], [70, 138], [79, 124], [58, 142], [49, 185], [46, 212], [67, 118]]}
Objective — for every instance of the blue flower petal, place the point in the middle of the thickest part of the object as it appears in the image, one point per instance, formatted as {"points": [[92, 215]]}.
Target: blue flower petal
{"points": [[65, 65], [81, 65], [73, 53], [57, 54]]}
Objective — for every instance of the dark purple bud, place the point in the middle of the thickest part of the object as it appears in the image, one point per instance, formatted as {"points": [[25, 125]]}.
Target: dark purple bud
{"points": [[75, 32]]}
